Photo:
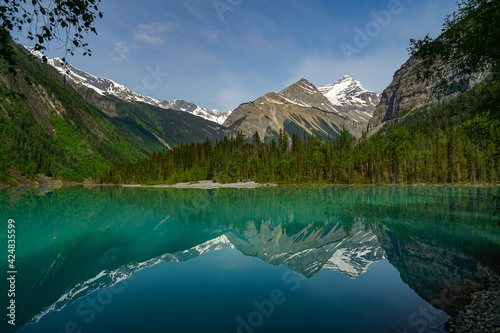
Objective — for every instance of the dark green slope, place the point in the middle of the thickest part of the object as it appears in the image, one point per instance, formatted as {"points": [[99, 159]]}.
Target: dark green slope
{"points": [[174, 127], [47, 127]]}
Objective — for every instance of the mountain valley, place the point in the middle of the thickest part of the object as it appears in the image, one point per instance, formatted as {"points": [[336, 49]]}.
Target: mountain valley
{"points": [[82, 127]]}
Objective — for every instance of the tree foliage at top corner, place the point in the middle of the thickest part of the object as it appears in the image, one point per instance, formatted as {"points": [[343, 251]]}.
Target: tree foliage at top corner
{"points": [[65, 21], [469, 40]]}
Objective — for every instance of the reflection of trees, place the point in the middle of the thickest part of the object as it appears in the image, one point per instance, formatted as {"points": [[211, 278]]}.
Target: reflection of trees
{"points": [[450, 207]]}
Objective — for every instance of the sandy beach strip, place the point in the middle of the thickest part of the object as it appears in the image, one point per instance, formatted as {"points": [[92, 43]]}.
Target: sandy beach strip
{"points": [[206, 185]]}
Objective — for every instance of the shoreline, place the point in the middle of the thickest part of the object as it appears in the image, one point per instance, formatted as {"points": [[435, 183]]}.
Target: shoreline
{"points": [[204, 185], [47, 184], [481, 314], [210, 184]]}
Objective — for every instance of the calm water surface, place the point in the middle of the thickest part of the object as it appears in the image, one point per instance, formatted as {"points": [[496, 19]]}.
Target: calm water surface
{"points": [[261, 260]]}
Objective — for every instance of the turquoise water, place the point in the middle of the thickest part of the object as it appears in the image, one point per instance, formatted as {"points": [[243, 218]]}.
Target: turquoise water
{"points": [[262, 260]]}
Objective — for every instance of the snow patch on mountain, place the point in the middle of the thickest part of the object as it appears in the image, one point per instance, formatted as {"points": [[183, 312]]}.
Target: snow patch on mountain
{"points": [[180, 105], [350, 95]]}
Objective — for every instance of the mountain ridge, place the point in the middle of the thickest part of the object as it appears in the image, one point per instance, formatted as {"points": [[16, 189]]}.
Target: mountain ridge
{"points": [[346, 97], [104, 86]]}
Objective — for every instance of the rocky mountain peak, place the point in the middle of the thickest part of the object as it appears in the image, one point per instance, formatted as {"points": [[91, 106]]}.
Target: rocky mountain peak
{"points": [[348, 92], [298, 109], [304, 93], [350, 97]]}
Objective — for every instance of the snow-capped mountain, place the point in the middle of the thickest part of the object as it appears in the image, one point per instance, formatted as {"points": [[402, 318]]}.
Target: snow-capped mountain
{"points": [[349, 96], [105, 86], [304, 108], [212, 115], [348, 91]]}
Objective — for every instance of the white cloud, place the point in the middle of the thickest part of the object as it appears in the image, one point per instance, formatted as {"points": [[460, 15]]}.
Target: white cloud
{"points": [[122, 49], [154, 33], [212, 35]]}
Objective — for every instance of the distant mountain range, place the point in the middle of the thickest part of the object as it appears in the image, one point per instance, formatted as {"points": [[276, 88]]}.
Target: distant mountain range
{"points": [[306, 109], [67, 130], [301, 108], [105, 86]]}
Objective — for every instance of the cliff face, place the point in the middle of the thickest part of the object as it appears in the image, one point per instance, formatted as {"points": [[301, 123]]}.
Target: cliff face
{"points": [[407, 92]]}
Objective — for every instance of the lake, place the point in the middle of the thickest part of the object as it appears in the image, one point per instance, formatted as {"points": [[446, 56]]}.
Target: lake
{"points": [[342, 259]]}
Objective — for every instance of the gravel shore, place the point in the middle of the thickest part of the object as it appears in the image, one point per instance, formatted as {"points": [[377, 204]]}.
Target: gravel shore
{"points": [[482, 315]]}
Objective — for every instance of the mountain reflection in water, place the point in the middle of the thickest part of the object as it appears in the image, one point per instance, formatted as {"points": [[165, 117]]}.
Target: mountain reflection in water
{"points": [[72, 242]]}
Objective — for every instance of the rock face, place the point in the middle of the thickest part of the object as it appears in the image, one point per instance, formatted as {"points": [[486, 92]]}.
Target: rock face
{"points": [[407, 92], [303, 109]]}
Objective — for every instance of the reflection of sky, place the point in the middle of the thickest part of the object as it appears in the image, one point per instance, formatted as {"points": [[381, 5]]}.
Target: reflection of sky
{"points": [[209, 293]]}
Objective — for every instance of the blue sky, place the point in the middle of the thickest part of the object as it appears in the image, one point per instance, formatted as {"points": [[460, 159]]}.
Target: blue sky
{"points": [[221, 53]]}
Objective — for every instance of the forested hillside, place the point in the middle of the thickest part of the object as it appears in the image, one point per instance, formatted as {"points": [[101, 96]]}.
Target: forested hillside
{"points": [[456, 141], [49, 128], [45, 127]]}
